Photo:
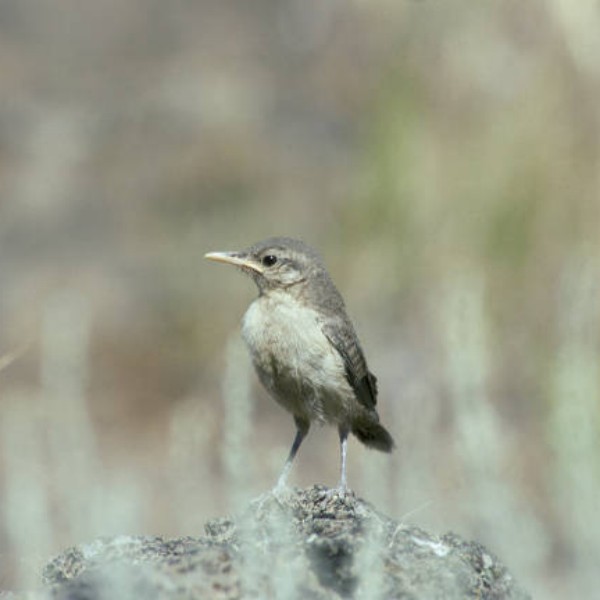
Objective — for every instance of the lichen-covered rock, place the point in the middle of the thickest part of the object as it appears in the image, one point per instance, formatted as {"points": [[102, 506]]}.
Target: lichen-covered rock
{"points": [[309, 543]]}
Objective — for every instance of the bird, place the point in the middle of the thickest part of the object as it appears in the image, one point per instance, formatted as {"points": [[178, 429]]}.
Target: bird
{"points": [[304, 348]]}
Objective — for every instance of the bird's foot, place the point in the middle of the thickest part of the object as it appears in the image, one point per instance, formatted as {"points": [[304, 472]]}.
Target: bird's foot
{"points": [[342, 488], [277, 495], [281, 487], [342, 491], [280, 491]]}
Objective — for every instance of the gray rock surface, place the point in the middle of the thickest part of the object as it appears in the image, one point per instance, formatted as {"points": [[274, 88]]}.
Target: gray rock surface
{"points": [[309, 544]]}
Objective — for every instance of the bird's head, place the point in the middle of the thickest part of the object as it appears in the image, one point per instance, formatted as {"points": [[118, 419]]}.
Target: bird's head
{"points": [[275, 263]]}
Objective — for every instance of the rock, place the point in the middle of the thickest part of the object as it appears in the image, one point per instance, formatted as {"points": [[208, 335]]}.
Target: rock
{"points": [[312, 544]]}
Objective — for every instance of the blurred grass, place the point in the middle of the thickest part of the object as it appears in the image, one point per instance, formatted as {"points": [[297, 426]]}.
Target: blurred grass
{"points": [[444, 158]]}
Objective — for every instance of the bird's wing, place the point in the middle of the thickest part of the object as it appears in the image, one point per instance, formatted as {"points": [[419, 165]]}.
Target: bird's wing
{"points": [[342, 337]]}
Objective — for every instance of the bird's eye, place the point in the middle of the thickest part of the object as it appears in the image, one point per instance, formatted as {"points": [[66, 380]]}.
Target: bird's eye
{"points": [[269, 260]]}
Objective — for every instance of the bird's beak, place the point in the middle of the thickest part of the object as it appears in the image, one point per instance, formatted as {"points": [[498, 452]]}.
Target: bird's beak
{"points": [[239, 259]]}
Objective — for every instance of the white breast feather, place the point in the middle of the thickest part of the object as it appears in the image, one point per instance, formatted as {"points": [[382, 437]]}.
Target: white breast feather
{"points": [[285, 336]]}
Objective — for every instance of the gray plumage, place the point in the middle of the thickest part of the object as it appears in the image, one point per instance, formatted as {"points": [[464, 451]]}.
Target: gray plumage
{"points": [[304, 347]]}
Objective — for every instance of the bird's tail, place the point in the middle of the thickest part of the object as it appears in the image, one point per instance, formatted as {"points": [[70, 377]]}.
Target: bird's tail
{"points": [[372, 434]]}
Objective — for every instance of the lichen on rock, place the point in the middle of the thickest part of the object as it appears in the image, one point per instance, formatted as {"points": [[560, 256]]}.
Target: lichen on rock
{"points": [[312, 543]]}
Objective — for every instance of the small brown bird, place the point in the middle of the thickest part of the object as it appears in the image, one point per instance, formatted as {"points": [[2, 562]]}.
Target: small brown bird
{"points": [[304, 347]]}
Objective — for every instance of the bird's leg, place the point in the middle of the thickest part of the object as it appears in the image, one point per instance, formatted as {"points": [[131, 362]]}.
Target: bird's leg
{"points": [[302, 430], [342, 487]]}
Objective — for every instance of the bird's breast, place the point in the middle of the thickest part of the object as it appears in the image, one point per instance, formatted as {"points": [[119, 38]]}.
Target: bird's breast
{"points": [[293, 358]]}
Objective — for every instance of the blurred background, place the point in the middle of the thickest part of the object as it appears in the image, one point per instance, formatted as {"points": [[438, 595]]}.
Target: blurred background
{"points": [[444, 157]]}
